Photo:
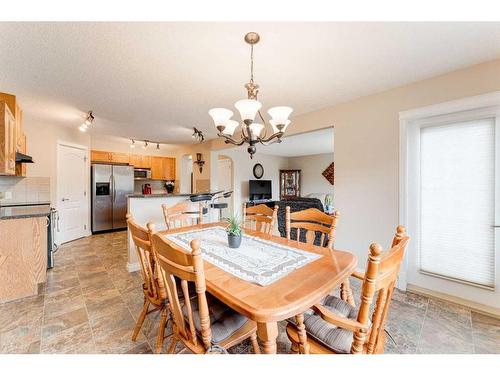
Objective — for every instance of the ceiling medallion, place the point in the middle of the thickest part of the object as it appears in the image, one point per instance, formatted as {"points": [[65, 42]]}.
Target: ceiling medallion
{"points": [[251, 132]]}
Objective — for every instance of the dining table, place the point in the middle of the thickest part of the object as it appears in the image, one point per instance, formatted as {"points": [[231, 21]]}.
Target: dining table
{"points": [[284, 298]]}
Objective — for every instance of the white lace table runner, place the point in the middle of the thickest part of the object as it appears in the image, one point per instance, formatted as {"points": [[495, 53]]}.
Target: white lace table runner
{"points": [[258, 261]]}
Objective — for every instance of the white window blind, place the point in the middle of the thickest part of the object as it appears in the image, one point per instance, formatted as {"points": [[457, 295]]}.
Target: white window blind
{"points": [[457, 200]]}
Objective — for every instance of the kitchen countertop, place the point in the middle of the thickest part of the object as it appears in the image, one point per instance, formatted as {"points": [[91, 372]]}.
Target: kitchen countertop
{"points": [[23, 212], [157, 195]]}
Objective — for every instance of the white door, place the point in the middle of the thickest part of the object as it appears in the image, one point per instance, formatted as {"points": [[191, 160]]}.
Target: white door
{"points": [[72, 182], [454, 206]]}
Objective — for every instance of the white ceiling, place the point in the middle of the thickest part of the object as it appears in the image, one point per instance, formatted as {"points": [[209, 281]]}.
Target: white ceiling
{"points": [[311, 143], [158, 80]]}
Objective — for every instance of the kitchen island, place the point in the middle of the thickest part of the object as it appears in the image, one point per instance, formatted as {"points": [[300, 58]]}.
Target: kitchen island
{"points": [[146, 208]]}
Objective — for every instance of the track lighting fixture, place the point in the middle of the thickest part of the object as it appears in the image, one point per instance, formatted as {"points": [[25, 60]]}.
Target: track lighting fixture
{"points": [[198, 135], [89, 120]]}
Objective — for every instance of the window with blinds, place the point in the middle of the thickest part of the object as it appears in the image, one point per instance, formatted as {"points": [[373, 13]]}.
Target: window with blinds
{"points": [[457, 198]]}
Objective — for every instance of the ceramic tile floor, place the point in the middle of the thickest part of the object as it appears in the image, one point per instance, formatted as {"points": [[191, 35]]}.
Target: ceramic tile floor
{"points": [[90, 304]]}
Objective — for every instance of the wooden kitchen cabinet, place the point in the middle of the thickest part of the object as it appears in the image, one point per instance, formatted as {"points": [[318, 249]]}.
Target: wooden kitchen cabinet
{"points": [[169, 168], [23, 257], [162, 168], [157, 168], [100, 156], [21, 167], [120, 157], [145, 161], [140, 161], [7, 141]]}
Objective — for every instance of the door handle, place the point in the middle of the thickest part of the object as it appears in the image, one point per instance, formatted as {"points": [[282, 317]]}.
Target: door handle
{"points": [[114, 189], [495, 226], [65, 199]]}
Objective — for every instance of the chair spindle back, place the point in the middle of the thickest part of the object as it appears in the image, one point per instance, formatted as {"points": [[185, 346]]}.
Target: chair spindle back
{"points": [[260, 218], [181, 266], [311, 222], [182, 214]]}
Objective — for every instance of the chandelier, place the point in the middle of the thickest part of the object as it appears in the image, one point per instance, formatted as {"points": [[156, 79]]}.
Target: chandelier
{"points": [[251, 132]]}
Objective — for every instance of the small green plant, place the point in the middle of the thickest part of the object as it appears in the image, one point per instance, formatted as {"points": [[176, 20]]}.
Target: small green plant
{"points": [[328, 200], [234, 226]]}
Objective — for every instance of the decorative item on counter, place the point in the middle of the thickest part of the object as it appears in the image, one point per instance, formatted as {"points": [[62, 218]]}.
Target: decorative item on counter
{"points": [[146, 189], [329, 204], [170, 186], [234, 230]]}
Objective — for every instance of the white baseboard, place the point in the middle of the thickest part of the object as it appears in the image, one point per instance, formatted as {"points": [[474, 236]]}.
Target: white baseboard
{"points": [[132, 267], [484, 309]]}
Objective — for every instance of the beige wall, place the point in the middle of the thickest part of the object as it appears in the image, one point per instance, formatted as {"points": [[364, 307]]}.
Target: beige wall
{"points": [[243, 171], [312, 167], [42, 141], [367, 150]]}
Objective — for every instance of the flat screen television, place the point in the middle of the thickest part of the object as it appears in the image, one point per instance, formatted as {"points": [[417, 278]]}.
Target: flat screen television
{"points": [[260, 190]]}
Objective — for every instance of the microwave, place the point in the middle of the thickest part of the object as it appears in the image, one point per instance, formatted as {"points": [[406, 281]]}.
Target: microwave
{"points": [[142, 174]]}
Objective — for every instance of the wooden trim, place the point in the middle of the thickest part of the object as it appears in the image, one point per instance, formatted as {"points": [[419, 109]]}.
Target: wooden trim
{"points": [[478, 307]]}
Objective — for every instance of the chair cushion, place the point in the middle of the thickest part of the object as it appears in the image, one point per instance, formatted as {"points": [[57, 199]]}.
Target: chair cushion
{"points": [[336, 338], [224, 321]]}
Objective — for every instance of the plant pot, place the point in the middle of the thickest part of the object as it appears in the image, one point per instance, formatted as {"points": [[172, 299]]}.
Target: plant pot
{"points": [[233, 241]]}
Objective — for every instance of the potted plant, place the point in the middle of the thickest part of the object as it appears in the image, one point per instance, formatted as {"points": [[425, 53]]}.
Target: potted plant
{"points": [[328, 204], [170, 185], [234, 230]]}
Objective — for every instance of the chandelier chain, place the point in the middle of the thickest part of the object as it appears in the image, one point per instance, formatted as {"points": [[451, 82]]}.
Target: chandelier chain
{"points": [[251, 63]]}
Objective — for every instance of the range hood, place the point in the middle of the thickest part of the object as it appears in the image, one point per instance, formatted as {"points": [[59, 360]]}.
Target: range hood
{"points": [[22, 158]]}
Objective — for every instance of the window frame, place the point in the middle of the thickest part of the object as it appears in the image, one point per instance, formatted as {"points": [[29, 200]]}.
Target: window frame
{"points": [[467, 109]]}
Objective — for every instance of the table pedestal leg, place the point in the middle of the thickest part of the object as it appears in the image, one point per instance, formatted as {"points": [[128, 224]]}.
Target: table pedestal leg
{"points": [[268, 333]]}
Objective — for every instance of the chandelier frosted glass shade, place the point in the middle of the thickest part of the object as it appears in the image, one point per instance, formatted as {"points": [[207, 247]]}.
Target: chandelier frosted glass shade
{"points": [[280, 115], [275, 127], [231, 126], [256, 129], [220, 116], [248, 108]]}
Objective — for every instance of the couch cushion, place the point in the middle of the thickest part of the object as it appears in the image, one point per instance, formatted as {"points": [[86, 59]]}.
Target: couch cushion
{"points": [[224, 321]]}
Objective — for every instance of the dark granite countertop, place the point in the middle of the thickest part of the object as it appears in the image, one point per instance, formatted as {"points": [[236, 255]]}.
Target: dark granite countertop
{"points": [[23, 212], [157, 195]]}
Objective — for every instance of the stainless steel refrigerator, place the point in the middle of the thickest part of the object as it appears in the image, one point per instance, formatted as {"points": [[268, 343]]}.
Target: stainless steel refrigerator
{"points": [[110, 186]]}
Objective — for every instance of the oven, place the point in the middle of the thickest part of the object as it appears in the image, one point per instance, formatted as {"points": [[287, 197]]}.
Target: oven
{"points": [[52, 224], [142, 174]]}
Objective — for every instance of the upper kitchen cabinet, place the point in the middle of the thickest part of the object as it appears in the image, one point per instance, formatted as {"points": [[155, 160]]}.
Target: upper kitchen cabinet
{"points": [[162, 168], [120, 157], [7, 141], [100, 156], [109, 157], [140, 161], [13, 140]]}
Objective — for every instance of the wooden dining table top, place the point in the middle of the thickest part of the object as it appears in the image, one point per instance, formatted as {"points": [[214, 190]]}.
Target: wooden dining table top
{"points": [[290, 295]]}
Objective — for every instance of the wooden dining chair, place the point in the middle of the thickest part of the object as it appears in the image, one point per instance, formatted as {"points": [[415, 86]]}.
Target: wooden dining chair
{"points": [[260, 218], [182, 214], [153, 287], [316, 227], [203, 321], [338, 327]]}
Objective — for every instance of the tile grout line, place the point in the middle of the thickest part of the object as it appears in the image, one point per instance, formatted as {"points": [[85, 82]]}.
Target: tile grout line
{"points": [[422, 326], [126, 305], [87, 312], [472, 333], [43, 315]]}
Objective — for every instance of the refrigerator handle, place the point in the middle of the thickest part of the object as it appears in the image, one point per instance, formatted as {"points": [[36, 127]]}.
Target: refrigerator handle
{"points": [[114, 189]]}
